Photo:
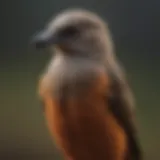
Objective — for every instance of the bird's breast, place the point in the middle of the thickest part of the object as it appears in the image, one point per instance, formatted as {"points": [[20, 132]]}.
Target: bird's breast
{"points": [[77, 112], [71, 73]]}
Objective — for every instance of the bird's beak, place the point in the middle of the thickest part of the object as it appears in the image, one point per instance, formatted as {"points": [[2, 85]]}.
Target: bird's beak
{"points": [[44, 39]]}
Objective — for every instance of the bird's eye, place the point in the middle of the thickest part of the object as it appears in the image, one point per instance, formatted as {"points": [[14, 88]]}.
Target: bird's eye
{"points": [[69, 31]]}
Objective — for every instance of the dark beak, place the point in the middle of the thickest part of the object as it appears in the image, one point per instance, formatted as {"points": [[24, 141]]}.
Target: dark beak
{"points": [[43, 39]]}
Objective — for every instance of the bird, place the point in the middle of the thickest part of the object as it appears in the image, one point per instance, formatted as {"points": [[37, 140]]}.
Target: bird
{"points": [[88, 102]]}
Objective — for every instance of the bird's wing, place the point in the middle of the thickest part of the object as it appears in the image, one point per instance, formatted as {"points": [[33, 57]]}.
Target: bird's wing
{"points": [[78, 120], [122, 107]]}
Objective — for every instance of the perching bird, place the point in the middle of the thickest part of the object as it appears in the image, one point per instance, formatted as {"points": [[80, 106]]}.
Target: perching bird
{"points": [[88, 103]]}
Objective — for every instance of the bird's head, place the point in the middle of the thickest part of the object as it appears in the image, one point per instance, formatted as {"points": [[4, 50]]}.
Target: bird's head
{"points": [[75, 32]]}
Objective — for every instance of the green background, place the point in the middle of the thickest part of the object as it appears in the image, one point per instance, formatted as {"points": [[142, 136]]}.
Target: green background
{"points": [[135, 28]]}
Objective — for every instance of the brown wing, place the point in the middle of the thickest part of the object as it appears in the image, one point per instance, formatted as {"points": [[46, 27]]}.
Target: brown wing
{"points": [[78, 120], [122, 107]]}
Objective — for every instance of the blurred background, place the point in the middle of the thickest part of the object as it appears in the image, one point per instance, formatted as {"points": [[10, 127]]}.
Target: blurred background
{"points": [[135, 26]]}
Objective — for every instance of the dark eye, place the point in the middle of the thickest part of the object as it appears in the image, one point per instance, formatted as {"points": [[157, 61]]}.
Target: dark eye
{"points": [[69, 31]]}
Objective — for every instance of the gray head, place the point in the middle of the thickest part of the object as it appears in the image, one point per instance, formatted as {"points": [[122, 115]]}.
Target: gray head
{"points": [[75, 32]]}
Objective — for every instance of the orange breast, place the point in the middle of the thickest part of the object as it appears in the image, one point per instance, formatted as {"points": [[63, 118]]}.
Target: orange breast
{"points": [[83, 127]]}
